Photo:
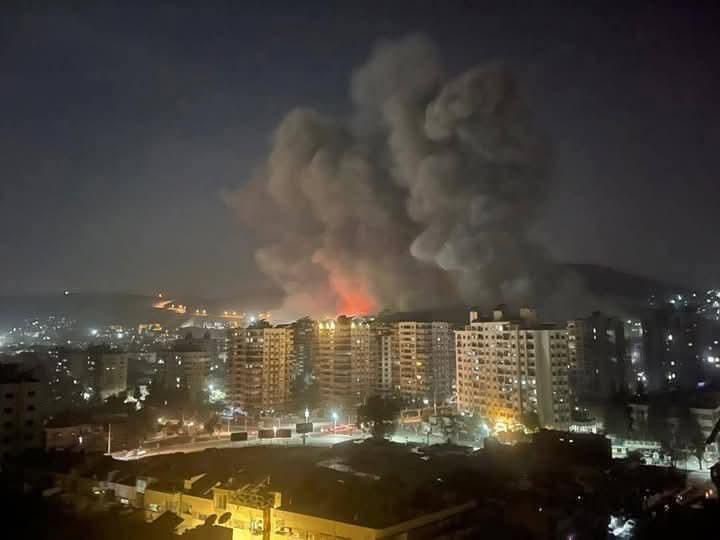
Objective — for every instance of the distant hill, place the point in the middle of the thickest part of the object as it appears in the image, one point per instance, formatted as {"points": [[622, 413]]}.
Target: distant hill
{"points": [[628, 292], [605, 281], [87, 308], [605, 289]]}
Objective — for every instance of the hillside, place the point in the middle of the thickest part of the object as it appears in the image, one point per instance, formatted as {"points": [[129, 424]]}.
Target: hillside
{"points": [[609, 289]]}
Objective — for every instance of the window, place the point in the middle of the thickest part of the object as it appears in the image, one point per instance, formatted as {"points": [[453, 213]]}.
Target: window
{"points": [[9, 395], [7, 410], [31, 393], [31, 407]]}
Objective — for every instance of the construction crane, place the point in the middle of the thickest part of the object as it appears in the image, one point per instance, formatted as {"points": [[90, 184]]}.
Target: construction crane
{"points": [[715, 469]]}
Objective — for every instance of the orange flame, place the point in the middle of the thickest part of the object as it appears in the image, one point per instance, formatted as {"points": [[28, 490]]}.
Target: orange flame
{"points": [[354, 298]]}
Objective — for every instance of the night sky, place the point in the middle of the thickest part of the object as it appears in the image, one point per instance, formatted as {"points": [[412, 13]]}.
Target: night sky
{"points": [[122, 127]]}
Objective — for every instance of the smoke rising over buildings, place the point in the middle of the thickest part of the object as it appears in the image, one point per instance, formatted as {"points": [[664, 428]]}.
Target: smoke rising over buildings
{"points": [[423, 196]]}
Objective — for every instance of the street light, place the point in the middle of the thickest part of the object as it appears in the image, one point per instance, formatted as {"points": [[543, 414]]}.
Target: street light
{"points": [[335, 419], [307, 419]]}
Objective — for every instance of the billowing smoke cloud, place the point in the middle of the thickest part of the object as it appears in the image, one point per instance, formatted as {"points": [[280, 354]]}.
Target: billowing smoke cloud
{"points": [[423, 197]]}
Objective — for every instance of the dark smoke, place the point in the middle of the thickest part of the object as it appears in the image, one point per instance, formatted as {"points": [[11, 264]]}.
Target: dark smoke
{"points": [[424, 197]]}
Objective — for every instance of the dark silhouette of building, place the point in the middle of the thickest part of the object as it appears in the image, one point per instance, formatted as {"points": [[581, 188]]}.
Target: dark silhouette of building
{"points": [[597, 354], [672, 342]]}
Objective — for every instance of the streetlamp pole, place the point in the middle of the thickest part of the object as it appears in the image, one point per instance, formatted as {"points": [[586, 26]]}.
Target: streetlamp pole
{"points": [[307, 417]]}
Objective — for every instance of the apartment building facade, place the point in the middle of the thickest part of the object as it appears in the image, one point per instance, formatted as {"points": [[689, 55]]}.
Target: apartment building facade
{"points": [[261, 367], [508, 367], [344, 361]]}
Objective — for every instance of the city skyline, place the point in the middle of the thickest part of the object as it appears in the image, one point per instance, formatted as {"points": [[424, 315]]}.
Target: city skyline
{"points": [[359, 270]]}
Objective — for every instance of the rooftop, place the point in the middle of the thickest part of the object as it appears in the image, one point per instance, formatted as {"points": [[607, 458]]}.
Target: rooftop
{"points": [[13, 374]]}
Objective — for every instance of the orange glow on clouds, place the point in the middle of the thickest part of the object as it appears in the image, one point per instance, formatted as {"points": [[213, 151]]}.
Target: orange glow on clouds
{"points": [[354, 297]]}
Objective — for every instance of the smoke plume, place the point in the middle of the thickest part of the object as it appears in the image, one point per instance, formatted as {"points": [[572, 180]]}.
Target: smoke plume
{"points": [[424, 196]]}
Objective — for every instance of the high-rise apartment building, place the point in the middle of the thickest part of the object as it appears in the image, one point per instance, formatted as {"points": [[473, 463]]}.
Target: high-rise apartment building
{"points": [[305, 343], [111, 373], [261, 366], [425, 361], [596, 348], [383, 357], [215, 342], [20, 411], [507, 367], [343, 361], [672, 340], [186, 366], [635, 358], [100, 370]]}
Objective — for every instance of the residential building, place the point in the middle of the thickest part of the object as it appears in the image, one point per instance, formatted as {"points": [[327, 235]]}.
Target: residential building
{"points": [[111, 373], [596, 347], [186, 366], [673, 348], [85, 431], [343, 361], [703, 406], [75, 431], [251, 509], [425, 361], [383, 358], [635, 367], [20, 411], [305, 345], [100, 370], [507, 367], [261, 365], [214, 341]]}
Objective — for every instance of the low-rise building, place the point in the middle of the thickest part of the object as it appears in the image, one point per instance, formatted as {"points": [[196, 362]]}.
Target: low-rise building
{"points": [[75, 437], [87, 432], [250, 508]]}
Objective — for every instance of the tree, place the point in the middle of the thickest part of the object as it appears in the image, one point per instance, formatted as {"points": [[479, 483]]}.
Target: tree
{"points": [[660, 429], [450, 427], [305, 395], [211, 423], [617, 418], [380, 415], [530, 420], [689, 435], [141, 423], [640, 390], [115, 404]]}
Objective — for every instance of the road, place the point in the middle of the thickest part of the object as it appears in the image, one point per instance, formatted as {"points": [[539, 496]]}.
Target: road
{"points": [[322, 439]]}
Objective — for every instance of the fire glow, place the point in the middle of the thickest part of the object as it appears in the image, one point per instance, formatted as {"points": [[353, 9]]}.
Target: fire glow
{"points": [[353, 296]]}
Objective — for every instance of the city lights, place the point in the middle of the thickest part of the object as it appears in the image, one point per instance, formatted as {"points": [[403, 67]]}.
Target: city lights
{"points": [[362, 272]]}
